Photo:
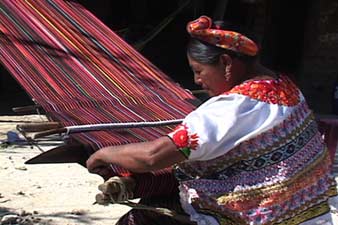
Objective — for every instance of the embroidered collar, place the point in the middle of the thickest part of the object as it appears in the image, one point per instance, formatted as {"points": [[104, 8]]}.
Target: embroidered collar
{"points": [[281, 91]]}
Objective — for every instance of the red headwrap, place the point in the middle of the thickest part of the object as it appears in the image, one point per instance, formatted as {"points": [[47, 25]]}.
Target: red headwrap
{"points": [[200, 29]]}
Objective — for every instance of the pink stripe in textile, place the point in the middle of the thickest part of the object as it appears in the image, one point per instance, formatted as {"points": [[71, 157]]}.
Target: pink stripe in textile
{"points": [[81, 72]]}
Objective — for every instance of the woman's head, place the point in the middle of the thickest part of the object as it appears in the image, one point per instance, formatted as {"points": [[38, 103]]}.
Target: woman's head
{"points": [[219, 57]]}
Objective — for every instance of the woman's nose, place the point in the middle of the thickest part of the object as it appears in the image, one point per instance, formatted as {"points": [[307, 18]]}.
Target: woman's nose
{"points": [[197, 79]]}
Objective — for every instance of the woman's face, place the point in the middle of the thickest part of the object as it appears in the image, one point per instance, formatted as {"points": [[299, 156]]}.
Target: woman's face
{"points": [[210, 77]]}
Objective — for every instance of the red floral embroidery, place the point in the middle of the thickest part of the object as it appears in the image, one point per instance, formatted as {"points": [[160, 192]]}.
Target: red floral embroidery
{"points": [[183, 140], [282, 91], [193, 141]]}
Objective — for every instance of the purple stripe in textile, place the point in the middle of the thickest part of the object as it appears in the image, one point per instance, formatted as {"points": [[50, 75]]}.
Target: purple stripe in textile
{"points": [[81, 72]]}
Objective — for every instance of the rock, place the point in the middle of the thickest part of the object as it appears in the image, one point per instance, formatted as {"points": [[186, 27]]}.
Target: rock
{"points": [[36, 220], [24, 213], [9, 219], [21, 168], [78, 212]]}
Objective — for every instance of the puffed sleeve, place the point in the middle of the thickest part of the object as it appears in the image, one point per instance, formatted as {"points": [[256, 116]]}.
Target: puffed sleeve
{"points": [[222, 123]]}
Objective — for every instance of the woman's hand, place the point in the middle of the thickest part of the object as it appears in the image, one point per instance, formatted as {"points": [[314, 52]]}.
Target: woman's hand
{"points": [[97, 164]]}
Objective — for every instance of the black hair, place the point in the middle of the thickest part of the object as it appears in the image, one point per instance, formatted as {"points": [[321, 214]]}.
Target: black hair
{"points": [[206, 53]]}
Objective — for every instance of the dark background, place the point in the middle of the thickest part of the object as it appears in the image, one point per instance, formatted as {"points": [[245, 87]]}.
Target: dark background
{"points": [[285, 30]]}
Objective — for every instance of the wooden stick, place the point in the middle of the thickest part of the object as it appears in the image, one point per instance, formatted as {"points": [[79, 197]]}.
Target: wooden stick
{"points": [[49, 132], [26, 109], [194, 92], [164, 211], [37, 127]]}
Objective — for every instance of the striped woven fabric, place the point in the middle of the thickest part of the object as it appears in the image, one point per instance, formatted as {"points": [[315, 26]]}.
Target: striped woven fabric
{"points": [[81, 72]]}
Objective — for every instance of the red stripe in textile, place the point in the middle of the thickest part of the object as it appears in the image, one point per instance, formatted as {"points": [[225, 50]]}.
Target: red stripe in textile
{"points": [[81, 72]]}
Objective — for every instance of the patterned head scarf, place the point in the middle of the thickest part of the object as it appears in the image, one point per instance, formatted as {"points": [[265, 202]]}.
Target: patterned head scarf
{"points": [[200, 29]]}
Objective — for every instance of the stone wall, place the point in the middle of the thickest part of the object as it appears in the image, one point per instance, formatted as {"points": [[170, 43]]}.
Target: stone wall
{"points": [[319, 69]]}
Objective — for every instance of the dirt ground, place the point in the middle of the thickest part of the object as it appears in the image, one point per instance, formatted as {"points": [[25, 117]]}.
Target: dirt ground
{"points": [[48, 194]]}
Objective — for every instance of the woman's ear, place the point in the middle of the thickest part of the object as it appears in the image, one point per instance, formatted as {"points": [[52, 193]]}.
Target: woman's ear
{"points": [[226, 61]]}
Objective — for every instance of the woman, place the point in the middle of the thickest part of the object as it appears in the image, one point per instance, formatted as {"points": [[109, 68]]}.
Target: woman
{"points": [[251, 154]]}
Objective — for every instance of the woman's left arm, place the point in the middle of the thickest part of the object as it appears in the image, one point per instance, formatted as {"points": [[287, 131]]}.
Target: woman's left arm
{"points": [[137, 157]]}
